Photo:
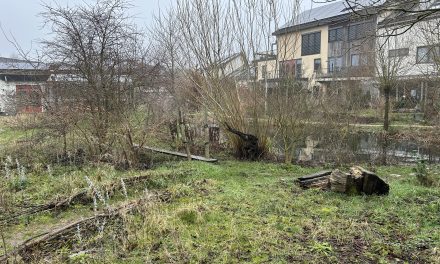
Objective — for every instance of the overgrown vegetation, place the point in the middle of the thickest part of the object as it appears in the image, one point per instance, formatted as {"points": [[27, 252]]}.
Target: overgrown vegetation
{"points": [[240, 212], [427, 175], [77, 186]]}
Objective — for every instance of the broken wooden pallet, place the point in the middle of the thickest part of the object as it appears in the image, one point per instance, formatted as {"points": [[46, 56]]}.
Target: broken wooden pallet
{"points": [[177, 154]]}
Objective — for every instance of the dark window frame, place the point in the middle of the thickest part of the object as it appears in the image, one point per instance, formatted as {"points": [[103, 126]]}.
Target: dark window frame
{"points": [[264, 71], [430, 54], [359, 30], [298, 68], [335, 67], [311, 43], [291, 68], [336, 34]]}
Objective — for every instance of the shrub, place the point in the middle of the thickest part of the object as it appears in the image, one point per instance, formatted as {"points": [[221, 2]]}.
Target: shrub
{"points": [[424, 175]]}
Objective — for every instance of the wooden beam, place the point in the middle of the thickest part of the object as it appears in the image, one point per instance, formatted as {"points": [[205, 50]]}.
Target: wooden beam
{"points": [[315, 175], [177, 154]]}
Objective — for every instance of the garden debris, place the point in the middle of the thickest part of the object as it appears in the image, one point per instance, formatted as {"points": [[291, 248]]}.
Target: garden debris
{"points": [[38, 247], [357, 181], [45, 244], [81, 197]]}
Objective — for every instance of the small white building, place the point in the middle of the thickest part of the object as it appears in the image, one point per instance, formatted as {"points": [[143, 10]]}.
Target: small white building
{"points": [[21, 86]]}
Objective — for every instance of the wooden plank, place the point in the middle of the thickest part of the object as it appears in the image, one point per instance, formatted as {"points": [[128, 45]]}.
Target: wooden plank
{"points": [[315, 175], [321, 183], [177, 154]]}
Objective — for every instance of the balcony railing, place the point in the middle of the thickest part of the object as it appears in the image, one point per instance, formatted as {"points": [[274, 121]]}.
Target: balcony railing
{"points": [[346, 72]]}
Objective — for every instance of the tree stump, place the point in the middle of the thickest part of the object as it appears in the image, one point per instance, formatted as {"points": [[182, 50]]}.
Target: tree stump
{"points": [[250, 148], [373, 184], [358, 181]]}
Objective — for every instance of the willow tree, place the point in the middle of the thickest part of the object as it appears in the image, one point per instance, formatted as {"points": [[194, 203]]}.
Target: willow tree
{"points": [[214, 36]]}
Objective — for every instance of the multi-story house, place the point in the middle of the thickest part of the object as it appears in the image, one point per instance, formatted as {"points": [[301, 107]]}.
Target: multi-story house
{"points": [[322, 44], [333, 45]]}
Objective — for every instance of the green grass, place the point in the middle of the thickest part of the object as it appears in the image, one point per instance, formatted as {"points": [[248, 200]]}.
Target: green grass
{"points": [[9, 135], [249, 212], [230, 212]]}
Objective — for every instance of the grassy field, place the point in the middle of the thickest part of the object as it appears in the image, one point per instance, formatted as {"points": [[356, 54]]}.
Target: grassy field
{"points": [[233, 212]]}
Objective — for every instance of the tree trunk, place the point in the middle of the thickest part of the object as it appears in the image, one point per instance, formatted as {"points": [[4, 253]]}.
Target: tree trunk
{"points": [[185, 139], [207, 140], [386, 124], [250, 148], [384, 143], [386, 121]]}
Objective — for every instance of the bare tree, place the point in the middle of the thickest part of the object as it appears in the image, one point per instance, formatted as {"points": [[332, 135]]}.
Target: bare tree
{"points": [[215, 36], [167, 38], [387, 73], [98, 51]]}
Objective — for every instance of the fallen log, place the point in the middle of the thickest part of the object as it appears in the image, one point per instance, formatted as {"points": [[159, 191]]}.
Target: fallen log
{"points": [[321, 183], [338, 181], [315, 180], [373, 184]]}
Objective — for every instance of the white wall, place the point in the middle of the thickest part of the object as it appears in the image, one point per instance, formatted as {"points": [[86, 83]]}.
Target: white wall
{"points": [[416, 36], [5, 89]]}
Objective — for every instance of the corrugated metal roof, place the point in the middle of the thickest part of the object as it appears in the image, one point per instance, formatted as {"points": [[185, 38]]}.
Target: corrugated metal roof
{"points": [[319, 13], [16, 64], [328, 11]]}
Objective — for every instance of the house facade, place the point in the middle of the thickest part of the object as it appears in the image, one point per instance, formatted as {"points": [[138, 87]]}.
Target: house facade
{"points": [[321, 45], [333, 45], [412, 51]]}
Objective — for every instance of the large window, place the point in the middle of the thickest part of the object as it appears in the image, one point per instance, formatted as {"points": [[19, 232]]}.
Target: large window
{"points": [[428, 54], [334, 64], [398, 52], [336, 34], [359, 31], [291, 68], [311, 44]]}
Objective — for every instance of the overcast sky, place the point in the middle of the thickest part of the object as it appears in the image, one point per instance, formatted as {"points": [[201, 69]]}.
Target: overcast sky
{"points": [[20, 18]]}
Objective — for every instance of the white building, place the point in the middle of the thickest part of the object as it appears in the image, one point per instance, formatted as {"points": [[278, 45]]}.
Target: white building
{"points": [[411, 51], [21, 86]]}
